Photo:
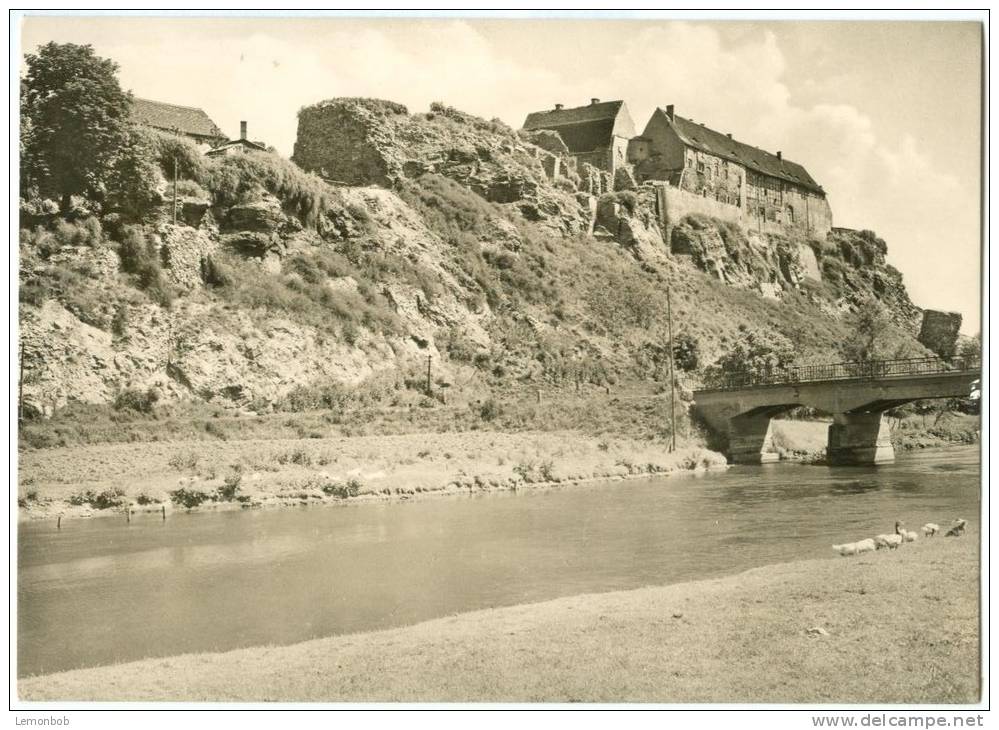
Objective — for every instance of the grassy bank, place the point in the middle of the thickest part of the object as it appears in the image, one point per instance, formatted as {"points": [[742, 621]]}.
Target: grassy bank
{"points": [[900, 627], [107, 478]]}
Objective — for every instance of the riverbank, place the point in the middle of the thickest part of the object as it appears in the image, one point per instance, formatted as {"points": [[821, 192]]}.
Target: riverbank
{"points": [[896, 627], [86, 481]]}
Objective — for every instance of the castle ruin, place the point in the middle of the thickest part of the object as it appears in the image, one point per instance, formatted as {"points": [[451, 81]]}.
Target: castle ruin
{"points": [[694, 168]]}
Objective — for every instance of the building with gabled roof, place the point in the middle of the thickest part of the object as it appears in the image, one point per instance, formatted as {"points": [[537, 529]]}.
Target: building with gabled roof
{"points": [[186, 121], [237, 146], [597, 133], [769, 189]]}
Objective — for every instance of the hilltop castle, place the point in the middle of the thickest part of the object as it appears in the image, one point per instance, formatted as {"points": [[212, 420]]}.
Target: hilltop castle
{"points": [[696, 169]]}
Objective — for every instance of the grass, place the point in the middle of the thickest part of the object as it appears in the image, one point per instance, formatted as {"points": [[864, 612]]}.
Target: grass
{"points": [[902, 627], [267, 471]]}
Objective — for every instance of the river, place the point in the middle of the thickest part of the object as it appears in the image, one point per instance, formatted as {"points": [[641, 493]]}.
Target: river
{"points": [[102, 591]]}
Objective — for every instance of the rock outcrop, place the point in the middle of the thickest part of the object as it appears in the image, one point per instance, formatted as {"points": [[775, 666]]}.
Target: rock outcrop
{"points": [[373, 142]]}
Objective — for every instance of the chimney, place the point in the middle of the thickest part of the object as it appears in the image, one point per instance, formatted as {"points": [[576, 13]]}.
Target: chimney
{"points": [[559, 106], [728, 134], [779, 155], [594, 100], [242, 130], [669, 112]]}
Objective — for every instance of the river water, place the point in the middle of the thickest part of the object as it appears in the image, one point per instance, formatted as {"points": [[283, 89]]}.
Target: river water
{"points": [[102, 591]]}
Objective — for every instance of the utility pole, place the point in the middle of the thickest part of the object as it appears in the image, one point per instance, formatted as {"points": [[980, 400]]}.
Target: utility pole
{"points": [[429, 360], [20, 383], [175, 190], [672, 377]]}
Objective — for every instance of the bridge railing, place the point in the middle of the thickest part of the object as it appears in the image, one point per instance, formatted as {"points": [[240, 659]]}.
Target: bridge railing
{"points": [[871, 369]]}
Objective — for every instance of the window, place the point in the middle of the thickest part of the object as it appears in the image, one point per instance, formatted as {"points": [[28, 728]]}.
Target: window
{"points": [[789, 214], [700, 165]]}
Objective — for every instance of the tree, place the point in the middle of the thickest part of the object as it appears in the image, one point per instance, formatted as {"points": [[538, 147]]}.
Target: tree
{"points": [[754, 351], [75, 117], [971, 348], [869, 326]]}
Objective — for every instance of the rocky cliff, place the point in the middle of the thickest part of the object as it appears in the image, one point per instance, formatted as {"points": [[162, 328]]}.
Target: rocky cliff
{"points": [[409, 236]]}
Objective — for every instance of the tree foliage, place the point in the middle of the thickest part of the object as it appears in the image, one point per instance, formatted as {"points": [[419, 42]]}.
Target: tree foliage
{"points": [[756, 351], [868, 326], [75, 119]]}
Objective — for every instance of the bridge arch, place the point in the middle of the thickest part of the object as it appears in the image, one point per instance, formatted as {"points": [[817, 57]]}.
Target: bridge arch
{"points": [[857, 394]]}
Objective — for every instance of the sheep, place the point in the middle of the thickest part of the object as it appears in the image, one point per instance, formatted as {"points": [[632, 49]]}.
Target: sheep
{"points": [[866, 546], [930, 529], [855, 548], [888, 541], [847, 548], [957, 529], [909, 535]]}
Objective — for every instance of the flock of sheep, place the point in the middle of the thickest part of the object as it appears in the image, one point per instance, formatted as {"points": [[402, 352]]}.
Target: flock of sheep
{"points": [[894, 540]]}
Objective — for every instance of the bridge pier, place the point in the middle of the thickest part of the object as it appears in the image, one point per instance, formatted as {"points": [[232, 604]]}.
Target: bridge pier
{"points": [[750, 440], [859, 438]]}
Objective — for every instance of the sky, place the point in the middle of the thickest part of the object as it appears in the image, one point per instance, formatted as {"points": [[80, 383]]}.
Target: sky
{"points": [[886, 116]]}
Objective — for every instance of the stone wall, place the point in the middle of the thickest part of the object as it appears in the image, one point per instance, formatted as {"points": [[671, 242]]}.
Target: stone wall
{"points": [[676, 202], [773, 205], [673, 204], [712, 177], [939, 332]]}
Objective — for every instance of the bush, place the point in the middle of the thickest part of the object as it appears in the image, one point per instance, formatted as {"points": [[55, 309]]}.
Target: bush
{"points": [[108, 499], [46, 240], [167, 148], [189, 497], [328, 396], [234, 179], [686, 352], [489, 410], [132, 190], [754, 351], [139, 257], [342, 491], [134, 399], [230, 485], [185, 461]]}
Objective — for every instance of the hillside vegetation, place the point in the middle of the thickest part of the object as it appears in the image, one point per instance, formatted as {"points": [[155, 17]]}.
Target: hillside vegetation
{"points": [[278, 291]]}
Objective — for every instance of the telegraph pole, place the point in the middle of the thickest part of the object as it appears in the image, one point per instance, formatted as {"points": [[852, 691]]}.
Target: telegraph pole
{"points": [[20, 383], [175, 190], [672, 377]]}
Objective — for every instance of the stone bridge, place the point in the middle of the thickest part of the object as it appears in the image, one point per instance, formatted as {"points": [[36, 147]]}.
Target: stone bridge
{"points": [[855, 394]]}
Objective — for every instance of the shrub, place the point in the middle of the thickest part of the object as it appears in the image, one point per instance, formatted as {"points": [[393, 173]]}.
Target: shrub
{"points": [[296, 456], [134, 399], [686, 352], [185, 461], [627, 199], [189, 497], [119, 323], [167, 148], [234, 179], [489, 410], [230, 485], [132, 190], [189, 189], [108, 499], [755, 351], [139, 257], [213, 429], [525, 470]]}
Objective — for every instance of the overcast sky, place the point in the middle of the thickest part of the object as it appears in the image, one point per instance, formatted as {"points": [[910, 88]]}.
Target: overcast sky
{"points": [[886, 116]]}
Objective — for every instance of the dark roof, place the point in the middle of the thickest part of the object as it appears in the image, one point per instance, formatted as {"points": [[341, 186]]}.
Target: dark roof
{"points": [[175, 118], [237, 143], [583, 128], [715, 143]]}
